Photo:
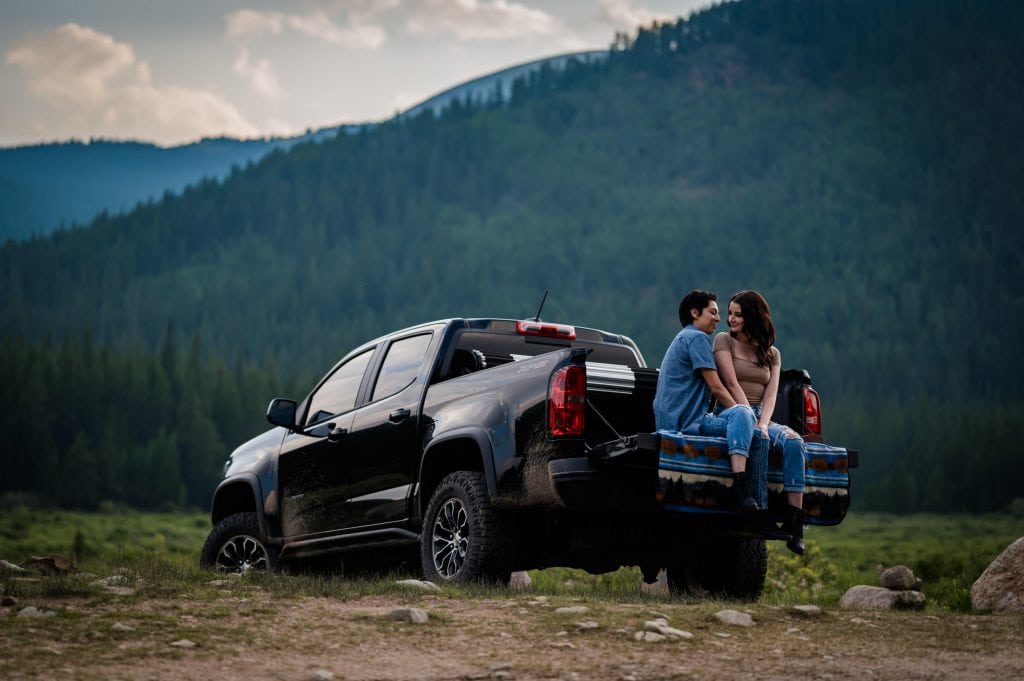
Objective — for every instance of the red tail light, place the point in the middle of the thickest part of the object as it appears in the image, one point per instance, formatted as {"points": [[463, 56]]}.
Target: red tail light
{"points": [[812, 412], [567, 401]]}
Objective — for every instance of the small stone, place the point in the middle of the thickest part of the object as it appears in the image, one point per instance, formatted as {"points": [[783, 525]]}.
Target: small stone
{"points": [[722, 634], [121, 626], [410, 615], [805, 610], [184, 643], [419, 584], [573, 610], [8, 601], [520, 581], [11, 568], [661, 626], [735, 618], [120, 590], [562, 644], [501, 666], [33, 611], [649, 636], [587, 625], [898, 578], [112, 580], [321, 675], [220, 583]]}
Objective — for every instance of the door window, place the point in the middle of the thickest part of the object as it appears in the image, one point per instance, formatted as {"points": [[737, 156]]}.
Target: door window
{"points": [[401, 365], [338, 393]]}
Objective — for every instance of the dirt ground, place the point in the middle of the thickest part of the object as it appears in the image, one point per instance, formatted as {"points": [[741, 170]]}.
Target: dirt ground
{"points": [[252, 635]]}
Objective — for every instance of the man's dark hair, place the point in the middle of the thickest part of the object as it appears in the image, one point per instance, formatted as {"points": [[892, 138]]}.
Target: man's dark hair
{"points": [[694, 300]]}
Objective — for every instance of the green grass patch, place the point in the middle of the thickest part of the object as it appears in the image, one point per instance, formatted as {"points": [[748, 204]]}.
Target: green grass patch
{"points": [[948, 552]]}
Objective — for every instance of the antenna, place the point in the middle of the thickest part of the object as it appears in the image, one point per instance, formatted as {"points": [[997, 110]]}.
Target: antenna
{"points": [[542, 301]]}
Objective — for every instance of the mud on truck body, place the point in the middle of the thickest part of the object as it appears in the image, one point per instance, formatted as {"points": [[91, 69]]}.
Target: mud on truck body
{"points": [[487, 446]]}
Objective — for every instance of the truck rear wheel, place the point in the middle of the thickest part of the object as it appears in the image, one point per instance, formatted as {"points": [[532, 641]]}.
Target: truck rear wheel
{"points": [[734, 569], [463, 538]]}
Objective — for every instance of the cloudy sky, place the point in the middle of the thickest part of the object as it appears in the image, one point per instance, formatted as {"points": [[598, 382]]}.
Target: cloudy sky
{"points": [[172, 71]]}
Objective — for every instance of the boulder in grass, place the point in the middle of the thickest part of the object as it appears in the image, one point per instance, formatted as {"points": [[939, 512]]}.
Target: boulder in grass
{"points": [[899, 578], [50, 566], [1001, 586], [864, 597]]}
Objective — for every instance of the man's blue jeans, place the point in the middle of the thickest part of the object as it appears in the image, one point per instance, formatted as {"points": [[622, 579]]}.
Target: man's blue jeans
{"points": [[736, 425]]}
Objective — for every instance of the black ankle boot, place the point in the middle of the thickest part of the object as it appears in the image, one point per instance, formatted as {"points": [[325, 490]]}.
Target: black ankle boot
{"points": [[794, 526], [744, 500]]}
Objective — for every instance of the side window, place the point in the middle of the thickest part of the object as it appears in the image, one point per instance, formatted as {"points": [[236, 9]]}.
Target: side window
{"points": [[401, 365], [338, 393]]}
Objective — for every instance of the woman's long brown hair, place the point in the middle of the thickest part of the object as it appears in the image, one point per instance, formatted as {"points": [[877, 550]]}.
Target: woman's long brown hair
{"points": [[757, 323]]}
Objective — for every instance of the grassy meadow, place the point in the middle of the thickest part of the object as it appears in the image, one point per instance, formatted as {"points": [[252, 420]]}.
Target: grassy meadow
{"points": [[948, 552]]}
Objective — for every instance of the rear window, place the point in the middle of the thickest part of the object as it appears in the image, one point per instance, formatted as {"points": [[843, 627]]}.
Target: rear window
{"points": [[499, 348]]}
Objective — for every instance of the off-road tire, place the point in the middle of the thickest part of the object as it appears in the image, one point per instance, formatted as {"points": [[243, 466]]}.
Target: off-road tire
{"points": [[464, 538], [733, 569], [236, 545]]}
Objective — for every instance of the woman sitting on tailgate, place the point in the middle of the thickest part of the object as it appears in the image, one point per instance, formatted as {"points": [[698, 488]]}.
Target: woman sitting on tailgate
{"points": [[750, 364]]}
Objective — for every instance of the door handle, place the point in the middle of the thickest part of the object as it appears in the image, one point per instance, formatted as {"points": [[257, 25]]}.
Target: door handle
{"points": [[336, 434], [398, 415]]}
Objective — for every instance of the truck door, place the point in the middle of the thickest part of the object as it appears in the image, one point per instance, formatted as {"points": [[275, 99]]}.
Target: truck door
{"points": [[313, 465], [383, 447]]}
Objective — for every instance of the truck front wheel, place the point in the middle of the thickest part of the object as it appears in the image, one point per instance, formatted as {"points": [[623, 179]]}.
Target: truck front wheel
{"points": [[464, 538], [731, 568], [235, 545]]}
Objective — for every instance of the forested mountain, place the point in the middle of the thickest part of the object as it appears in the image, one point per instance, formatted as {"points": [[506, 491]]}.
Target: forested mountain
{"points": [[857, 161]]}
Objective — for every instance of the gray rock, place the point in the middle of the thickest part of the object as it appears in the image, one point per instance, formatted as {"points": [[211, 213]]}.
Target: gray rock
{"points": [[321, 675], [33, 611], [520, 581], [864, 597], [411, 615], [184, 643], [120, 590], [806, 610], [112, 580], [649, 636], [10, 568], [735, 618], [220, 583], [122, 627], [1001, 585], [898, 578], [660, 626], [419, 584], [8, 601], [587, 625], [573, 609]]}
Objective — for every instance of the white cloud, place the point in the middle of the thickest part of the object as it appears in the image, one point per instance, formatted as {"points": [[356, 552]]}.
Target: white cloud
{"points": [[479, 19], [260, 75], [94, 85], [248, 24]]}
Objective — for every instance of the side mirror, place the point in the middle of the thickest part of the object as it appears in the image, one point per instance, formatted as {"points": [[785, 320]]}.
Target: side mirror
{"points": [[281, 412]]}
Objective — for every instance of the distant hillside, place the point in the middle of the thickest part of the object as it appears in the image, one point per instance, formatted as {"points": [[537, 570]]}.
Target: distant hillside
{"points": [[47, 186], [858, 161]]}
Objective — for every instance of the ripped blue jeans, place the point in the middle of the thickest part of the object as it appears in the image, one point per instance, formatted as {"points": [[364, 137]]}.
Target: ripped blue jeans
{"points": [[794, 455], [736, 425]]}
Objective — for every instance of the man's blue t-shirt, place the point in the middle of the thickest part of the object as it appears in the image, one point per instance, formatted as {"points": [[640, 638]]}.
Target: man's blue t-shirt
{"points": [[682, 396]]}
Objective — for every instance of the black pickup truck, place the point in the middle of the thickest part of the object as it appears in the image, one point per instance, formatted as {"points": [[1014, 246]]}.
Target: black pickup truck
{"points": [[489, 446]]}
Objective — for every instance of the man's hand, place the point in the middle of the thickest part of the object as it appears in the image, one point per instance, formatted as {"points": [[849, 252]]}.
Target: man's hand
{"points": [[710, 377]]}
